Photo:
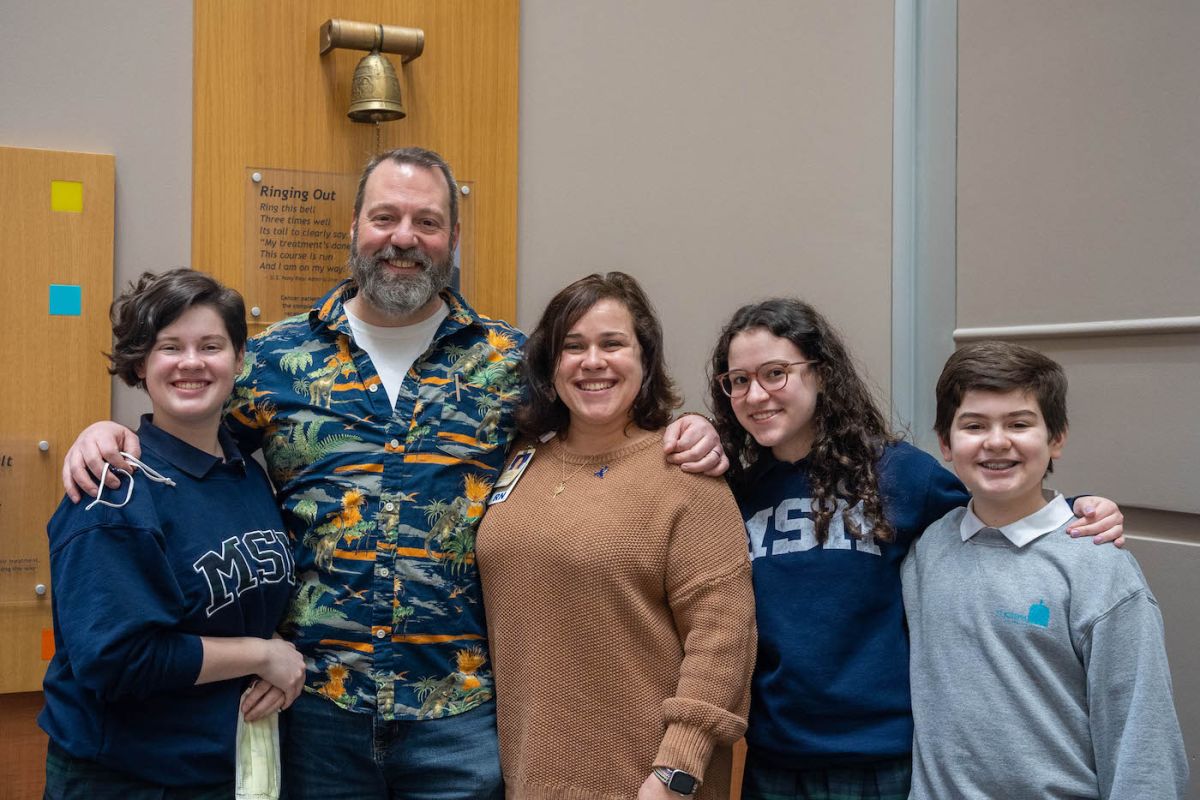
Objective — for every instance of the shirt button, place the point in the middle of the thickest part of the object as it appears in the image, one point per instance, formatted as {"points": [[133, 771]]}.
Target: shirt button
{"points": [[374, 387], [389, 506], [394, 442], [383, 572]]}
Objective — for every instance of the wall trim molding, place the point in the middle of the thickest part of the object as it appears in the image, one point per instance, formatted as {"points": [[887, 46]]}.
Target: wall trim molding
{"points": [[1135, 537], [904, 212], [924, 186], [1067, 330]]}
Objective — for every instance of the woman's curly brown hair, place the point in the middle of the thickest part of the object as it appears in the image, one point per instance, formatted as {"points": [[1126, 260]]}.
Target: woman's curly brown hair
{"points": [[849, 432]]}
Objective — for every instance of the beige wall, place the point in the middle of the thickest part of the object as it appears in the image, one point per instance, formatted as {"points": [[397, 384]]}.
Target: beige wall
{"points": [[755, 150], [110, 76], [1079, 201], [719, 152], [1078, 167]]}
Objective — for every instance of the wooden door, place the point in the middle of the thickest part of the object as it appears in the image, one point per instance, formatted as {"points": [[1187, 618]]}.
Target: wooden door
{"points": [[56, 223], [267, 102]]}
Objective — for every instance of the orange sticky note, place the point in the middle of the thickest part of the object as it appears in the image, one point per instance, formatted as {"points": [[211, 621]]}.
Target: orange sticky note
{"points": [[47, 644], [66, 196]]}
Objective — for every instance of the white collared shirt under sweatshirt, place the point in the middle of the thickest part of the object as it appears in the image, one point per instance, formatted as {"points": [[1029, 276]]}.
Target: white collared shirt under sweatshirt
{"points": [[1038, 666]]}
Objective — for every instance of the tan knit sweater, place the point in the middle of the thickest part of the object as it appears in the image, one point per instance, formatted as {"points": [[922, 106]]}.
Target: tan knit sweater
{"points": [[621, 624]]}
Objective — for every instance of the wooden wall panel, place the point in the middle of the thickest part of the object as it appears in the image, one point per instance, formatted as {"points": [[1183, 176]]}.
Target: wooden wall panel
{"points": [[57, 382], [264, 97]]}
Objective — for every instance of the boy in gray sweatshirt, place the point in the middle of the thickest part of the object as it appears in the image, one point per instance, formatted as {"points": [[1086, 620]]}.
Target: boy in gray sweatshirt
{"points": [[1038, 667]]}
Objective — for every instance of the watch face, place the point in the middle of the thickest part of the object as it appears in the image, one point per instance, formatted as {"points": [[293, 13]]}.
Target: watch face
{"points": [[682, 783]]}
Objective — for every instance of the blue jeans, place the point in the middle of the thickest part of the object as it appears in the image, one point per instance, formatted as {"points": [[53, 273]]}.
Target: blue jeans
{"points": [[330, 754]]}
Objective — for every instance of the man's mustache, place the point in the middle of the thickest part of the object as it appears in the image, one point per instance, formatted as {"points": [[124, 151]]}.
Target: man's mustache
{"points": [[393, 253]]}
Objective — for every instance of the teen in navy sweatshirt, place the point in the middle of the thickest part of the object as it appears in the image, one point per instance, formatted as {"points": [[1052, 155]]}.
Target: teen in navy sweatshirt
{"points": [[167, 590]]}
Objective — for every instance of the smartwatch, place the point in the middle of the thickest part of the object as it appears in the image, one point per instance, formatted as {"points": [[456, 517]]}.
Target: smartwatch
{"points": [[677, 780]]}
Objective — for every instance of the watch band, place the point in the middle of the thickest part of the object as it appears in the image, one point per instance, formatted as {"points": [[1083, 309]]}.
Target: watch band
{"points": [[676, 780]]}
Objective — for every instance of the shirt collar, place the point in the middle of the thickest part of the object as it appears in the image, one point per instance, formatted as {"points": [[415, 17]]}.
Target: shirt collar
{"points": [[330, 310], [182, 455], [1049, 517]]}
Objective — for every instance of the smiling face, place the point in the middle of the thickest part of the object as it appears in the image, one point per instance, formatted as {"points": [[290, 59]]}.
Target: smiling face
{"points": [[599, 374], [780, 419], [1000, 448], [189, 374], [402, 244]]}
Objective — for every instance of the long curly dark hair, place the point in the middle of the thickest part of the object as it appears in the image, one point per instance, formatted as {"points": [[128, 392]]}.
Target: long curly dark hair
{"points": [[849, 431]]}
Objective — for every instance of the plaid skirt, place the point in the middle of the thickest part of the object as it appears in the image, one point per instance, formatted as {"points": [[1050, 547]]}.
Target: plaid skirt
{"points": [[879, 780]]}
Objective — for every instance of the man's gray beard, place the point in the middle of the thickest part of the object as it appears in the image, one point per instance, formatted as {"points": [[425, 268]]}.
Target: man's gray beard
{"points": [[398, 295]]}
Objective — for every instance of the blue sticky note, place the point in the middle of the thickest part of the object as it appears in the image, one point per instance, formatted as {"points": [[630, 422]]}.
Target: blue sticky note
{"points": [[66, 300]]}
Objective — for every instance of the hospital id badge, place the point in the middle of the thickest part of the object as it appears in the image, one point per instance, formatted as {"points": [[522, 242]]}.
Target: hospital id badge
{"points": [[512, 473]]}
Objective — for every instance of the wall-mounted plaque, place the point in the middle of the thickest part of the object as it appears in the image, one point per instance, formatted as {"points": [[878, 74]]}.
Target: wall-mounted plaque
{"points": [[27, 474], [297, 238]]}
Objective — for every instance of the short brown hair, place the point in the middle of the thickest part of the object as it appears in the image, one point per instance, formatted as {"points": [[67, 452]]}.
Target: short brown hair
{"points": [[541, 411], [1002, 367], [417, 157], [153, 302]]}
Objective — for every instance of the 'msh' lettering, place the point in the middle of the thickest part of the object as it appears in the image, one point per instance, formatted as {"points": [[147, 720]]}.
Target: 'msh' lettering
{"points": [[275, 564], [795, 514], [244, 561], [756, 529]]}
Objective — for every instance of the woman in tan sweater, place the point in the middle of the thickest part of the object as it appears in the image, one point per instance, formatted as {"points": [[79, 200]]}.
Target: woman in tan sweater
{"points": [[619, 605]]}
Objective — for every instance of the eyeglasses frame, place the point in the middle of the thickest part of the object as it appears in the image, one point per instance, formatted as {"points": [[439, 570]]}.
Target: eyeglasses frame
{"points": [[721, 379]]}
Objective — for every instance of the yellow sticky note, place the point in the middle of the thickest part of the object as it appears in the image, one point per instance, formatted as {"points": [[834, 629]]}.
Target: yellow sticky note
{"points": [[66, 196]]}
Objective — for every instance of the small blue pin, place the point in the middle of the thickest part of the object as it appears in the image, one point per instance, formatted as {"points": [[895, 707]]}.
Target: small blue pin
{"points": [[600, 473]]}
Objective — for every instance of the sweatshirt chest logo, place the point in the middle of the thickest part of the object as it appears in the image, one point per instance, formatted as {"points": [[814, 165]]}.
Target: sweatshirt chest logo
{"points": [[244, 562], [796, 532], [1037, 616]]}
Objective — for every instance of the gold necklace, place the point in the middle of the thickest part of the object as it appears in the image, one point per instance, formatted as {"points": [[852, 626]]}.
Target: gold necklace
{"points": [[563, 477]]}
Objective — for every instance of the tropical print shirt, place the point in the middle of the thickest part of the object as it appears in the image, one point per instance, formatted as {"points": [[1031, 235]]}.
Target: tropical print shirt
{"points": [[383, 503]]}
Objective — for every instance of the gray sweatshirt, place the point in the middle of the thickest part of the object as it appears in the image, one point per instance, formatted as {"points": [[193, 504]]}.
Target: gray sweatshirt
{"points": [[1038, 667]]}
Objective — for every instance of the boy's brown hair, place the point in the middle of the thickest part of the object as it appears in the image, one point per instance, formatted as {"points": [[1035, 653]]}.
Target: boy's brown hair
{"points": [[1002, 367]]}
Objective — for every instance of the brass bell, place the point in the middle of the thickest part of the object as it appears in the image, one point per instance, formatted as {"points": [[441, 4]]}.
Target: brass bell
{"points": [[375, 91]]}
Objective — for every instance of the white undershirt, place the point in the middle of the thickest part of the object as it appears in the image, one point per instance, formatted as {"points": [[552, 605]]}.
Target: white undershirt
{"points": [[394, 349]]}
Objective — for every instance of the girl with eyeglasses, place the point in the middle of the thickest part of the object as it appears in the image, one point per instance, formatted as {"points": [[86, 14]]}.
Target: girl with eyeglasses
{"points": [[832, 500]]}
